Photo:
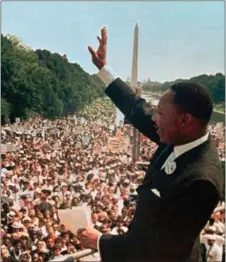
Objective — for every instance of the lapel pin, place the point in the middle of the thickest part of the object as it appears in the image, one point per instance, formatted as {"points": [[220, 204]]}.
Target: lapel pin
{"points": [[170, 167]]}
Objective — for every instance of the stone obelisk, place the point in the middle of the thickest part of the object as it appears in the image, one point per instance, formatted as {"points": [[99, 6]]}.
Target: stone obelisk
{"points": [[136, 134], [135, 59]]}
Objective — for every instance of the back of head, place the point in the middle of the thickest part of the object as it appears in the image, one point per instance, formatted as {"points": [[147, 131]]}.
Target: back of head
{"points": [[194, 99]]}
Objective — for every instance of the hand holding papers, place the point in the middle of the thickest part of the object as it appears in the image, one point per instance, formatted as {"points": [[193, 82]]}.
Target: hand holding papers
{"points": [[78, 220], [89, 237], [75, 219]]}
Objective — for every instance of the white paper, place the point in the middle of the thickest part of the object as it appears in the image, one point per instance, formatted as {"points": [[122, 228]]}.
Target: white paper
{"points": [[75, 218]]}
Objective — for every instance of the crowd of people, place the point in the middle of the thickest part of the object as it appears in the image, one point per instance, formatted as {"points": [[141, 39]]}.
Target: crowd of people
{"points": [[86, 160]]}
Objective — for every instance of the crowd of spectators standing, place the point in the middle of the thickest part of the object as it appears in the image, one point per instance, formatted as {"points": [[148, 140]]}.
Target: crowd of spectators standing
{"points": [[49, 165]]}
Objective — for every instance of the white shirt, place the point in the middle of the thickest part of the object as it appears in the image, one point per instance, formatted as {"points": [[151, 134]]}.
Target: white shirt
{"points": [[220, 240], [107, 76], [220, 228], [179, 150], [215, 253]]}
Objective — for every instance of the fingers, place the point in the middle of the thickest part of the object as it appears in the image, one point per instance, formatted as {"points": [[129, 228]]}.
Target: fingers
{"points": [[79, 232], [103, 39], [92, 52], [82, 237], [99, 56], [104, 35], [99, 39]]}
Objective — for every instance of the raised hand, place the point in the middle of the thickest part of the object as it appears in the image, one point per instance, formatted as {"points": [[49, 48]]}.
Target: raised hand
{"points": [[99, 56]]}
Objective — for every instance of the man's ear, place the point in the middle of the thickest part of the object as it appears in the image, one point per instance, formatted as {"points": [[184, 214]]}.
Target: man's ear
{"points": [[186, 119]]}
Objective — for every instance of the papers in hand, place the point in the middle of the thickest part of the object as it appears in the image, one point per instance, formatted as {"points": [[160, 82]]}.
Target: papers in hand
{"points": [[75, 218]]}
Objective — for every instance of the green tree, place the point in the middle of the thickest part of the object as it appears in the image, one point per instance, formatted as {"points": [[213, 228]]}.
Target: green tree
{"points": [[215, 83], [5, 110], [40, 82]]}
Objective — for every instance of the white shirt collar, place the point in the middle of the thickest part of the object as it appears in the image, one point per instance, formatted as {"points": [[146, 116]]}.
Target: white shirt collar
{"points": [[179, 150]]}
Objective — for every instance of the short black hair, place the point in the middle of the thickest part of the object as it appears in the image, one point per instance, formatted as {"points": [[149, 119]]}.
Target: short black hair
{"points": [[194, 99]]}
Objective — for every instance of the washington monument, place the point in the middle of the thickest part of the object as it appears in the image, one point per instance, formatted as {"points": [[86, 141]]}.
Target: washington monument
{"points": [[135, 59], [136, 134]]}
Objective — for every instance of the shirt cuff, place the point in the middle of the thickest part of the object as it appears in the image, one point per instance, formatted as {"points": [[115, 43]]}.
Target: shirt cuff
{"points": [[107, 75], [98, 244]]}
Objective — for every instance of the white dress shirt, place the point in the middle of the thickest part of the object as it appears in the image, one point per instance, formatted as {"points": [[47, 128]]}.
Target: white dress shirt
{"points": [[179, 150]]}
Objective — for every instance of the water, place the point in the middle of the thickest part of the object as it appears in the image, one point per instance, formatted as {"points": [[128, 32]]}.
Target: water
{"points": [[217, 117]]}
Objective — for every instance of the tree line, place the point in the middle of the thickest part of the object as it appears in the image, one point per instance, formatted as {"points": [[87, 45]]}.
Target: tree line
{"points": [[215, 83], [42, 83]]}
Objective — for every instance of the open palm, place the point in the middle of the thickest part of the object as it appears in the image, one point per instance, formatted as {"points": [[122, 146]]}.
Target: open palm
{"points": [[99, 56]]}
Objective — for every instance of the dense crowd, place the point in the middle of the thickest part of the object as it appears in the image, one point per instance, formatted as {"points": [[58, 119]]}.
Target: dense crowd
{"points": [[86, 160]]}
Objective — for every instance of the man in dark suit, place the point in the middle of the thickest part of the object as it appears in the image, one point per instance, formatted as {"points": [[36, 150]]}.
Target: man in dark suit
{"points": [[182, 185]]}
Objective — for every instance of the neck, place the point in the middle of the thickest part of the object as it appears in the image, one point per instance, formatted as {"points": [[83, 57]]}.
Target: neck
{"points": [[190, 138]]}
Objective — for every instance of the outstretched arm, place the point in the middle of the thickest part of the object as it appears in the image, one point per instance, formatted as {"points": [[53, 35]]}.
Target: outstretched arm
{"points": [[135, 108]]}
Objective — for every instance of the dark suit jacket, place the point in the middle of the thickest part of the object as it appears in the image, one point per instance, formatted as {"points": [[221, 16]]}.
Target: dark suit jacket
{"points": [[165, 228]]}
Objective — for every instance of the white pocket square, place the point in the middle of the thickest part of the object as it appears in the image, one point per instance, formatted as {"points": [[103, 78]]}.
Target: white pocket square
{"points": [[156, 192]]}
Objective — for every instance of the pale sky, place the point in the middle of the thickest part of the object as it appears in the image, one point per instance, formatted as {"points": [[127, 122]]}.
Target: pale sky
{"points": [[176, 39]]}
